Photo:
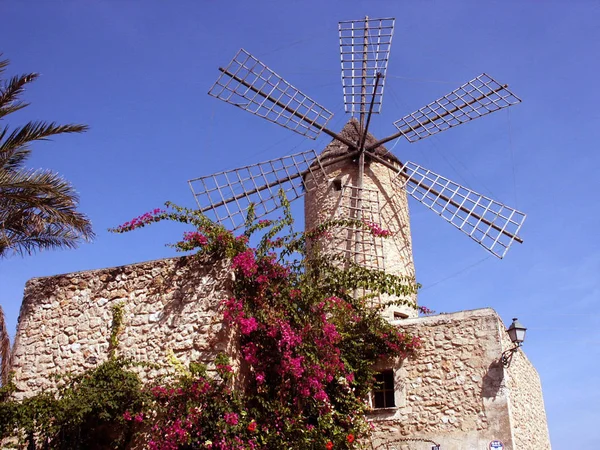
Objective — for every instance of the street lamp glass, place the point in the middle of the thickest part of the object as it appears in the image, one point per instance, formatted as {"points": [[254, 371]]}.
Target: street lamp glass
{"points": [[516, 332]]}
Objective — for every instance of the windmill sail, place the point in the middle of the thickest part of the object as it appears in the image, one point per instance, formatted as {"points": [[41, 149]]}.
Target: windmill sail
{"points": [[491, 224], [476, 98], [364, 50], [226, 196], [249, 84]]}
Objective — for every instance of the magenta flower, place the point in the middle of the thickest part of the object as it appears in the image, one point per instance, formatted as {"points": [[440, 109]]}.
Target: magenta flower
{"points": [[247, 326], [231, 418]]}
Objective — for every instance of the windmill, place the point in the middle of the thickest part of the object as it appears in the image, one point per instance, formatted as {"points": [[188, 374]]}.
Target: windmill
{"points": [[356, 176]]}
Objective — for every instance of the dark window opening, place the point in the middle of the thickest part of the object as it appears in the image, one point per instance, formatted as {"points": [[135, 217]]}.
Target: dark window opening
{"points": [[337, 185], [383, 394], [399, 315]]}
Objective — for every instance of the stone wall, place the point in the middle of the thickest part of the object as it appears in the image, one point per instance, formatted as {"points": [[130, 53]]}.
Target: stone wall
{"points": [[169, 305], [457, 393], [526, 407]]}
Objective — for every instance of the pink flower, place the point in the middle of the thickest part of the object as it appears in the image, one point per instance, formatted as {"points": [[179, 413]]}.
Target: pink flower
{"points": [[247, 326], [425, 310], [245, 262], [331, 333], [127, 415], [231, 418], [249, 351], [195, 237], [140, 221], [377, 230], [321, 396], [260, 378], [294, 366], [225, 367]]}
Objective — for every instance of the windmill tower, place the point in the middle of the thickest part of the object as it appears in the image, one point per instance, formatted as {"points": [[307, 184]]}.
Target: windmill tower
{"points": [[379, 202], [355, 176]]}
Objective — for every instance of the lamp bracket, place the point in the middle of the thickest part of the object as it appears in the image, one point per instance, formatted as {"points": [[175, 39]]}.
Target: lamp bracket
{"points": [[508, 355]]}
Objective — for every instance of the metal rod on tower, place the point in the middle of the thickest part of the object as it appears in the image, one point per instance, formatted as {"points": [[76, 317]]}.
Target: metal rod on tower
{"points": [[363, 137], [361, 158], [287, 108]]}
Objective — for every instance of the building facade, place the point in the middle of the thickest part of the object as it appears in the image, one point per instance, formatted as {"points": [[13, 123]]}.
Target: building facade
{"points": [[455, 391]]}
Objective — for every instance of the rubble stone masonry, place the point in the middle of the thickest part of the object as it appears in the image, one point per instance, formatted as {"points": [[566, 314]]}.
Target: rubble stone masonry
{"points": [[170, 305], [455, 391]]}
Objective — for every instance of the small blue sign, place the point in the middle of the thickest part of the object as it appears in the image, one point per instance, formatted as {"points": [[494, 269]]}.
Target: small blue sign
{"points": [[496, 445]]}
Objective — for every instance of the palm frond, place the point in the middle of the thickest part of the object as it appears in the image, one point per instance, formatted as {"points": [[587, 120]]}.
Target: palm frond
{"points": [[52, 236], [37, 131], [5, 353], [13, 161], [32, 184], [3, 64], [10, 92], [39, 208]]}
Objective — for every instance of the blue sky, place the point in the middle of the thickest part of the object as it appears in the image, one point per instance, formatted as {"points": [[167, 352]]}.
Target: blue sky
{"points": [[138, 72]]}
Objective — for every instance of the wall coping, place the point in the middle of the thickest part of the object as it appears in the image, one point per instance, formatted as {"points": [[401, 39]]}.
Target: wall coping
{"points": [[449, 317], [112, 268]]}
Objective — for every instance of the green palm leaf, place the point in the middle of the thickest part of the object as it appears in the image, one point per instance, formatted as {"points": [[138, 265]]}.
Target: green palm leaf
{"points": [[38, 208], [5, 354], [10, 92]]}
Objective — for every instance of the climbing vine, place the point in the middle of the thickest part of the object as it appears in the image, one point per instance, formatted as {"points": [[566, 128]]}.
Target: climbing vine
{"points": [[116, 327], [307, 350]]}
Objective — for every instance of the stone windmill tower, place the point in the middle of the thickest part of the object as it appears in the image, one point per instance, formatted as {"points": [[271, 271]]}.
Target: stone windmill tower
{"points": [[380, 202], [355, 177]]}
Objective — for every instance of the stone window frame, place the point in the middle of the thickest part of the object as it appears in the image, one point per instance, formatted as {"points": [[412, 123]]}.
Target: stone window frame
{"points": [[384, 386], [399, 374]]}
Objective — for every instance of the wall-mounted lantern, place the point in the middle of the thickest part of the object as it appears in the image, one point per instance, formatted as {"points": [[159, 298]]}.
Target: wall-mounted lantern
{"points": [[516, 332]]}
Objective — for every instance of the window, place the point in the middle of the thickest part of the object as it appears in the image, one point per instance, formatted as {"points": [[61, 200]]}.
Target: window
{"points": [[337, 185], [399, 315], [384, 393]]}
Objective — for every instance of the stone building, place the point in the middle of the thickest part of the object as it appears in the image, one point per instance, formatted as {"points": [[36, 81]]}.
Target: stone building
{"points": [[456, 392]]}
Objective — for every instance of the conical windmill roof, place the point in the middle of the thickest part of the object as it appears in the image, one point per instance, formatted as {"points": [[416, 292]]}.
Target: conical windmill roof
{"points": [[351, 132]]}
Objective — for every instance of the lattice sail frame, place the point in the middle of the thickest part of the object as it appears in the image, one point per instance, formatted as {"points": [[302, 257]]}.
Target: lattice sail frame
{"points": [[226, 196], [364, 43], [465, 209], [476, 98], [250, 85], [356, 244]]}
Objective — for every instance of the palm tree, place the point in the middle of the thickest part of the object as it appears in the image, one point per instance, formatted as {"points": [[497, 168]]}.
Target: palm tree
{"points": [[38, 208], [5, 353]]}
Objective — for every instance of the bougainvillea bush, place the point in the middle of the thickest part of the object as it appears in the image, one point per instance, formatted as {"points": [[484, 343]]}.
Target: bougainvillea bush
{"points": [[308, 344]]}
